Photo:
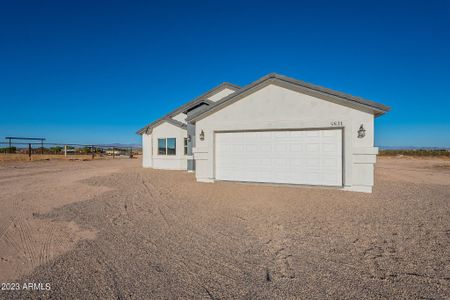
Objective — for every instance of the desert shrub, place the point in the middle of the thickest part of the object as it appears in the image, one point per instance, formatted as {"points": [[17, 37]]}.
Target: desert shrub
{"points": [[415, 152], [8, 150], [56, 149]]}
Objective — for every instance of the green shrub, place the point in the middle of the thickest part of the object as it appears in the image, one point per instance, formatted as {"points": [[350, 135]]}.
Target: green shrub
{"points": [[416, 152], [8, 150]]}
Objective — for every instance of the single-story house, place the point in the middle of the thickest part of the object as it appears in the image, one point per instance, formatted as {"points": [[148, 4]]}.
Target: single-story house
{"points": [[274, 130]]}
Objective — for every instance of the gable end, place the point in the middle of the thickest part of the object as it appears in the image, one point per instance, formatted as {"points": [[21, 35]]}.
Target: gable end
{"points": [[297, 85]]}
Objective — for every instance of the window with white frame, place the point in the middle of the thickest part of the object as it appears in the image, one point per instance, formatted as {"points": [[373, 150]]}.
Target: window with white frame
{"points": [[185, 146], [167, 146]]}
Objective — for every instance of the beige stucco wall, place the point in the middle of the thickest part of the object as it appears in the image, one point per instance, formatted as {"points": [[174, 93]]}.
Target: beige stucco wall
{"points": [[276, 107], [169, 162]]}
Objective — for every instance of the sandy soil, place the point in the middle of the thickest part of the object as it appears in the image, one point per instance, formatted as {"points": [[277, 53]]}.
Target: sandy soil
{"points": [[110, 229]]}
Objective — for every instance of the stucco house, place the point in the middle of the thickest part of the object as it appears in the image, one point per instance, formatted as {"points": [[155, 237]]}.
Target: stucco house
{"points": [[274, 130]]}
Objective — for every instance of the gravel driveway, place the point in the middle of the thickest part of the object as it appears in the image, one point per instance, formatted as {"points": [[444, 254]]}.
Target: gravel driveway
{"points": [[112, 230]]}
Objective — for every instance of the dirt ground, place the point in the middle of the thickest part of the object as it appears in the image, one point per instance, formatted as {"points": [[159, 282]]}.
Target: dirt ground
{"points": [[111, 229]]}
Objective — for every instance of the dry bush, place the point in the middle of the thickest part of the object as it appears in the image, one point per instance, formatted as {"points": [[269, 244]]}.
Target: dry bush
{"points": [[417, 152], [24, 157]]}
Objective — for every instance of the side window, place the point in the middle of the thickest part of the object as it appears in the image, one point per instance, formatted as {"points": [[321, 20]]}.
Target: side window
{"points": [[185, 146], [171, 146], [162, 146]]}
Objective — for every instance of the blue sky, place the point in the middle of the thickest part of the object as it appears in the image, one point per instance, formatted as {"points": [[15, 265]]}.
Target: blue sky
{"points": [[96, 71]]}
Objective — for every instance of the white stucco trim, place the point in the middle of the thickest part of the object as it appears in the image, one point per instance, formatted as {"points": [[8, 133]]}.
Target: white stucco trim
{"points": [[147, 151], [358, 188], [206, 180]]}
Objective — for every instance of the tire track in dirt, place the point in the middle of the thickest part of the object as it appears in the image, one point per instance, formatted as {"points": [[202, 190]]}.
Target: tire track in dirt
{"points": [[154, 193], [110, 269], [152, 196], [277, 246], [15, 209], [25, 235], [151, 189], [46, 252], [5, 226], [177, 259], [4, 179], [11, 242]]}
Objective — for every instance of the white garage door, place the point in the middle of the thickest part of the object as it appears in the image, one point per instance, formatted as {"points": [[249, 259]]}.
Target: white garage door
{"points": [[312, 157]]}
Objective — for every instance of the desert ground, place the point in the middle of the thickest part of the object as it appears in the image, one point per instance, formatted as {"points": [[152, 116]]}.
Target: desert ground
{"points": [[110, 229]]}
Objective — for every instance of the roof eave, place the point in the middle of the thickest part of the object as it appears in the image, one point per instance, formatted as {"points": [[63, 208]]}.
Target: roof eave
{"points": [[378, 108], [142, 130], [184, 107], [159, 122]]}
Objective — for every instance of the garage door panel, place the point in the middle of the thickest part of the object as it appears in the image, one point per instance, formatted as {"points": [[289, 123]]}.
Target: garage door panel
{"points": [[330, 177], [281, 134], [298, 133], [331, 163], [312, 147], [330, 133], [298, 157], [329, 147]]}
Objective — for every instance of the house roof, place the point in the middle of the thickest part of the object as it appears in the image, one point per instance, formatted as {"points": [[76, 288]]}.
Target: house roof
{"points": [[184, 108], [162, 120], [344, 98], [175, 122], [195, 105]]}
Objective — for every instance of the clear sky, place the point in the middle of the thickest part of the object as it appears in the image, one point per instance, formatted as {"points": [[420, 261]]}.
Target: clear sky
{"points": [[96, 71]]}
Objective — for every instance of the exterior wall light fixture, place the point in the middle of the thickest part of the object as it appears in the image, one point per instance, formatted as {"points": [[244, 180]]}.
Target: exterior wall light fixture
{"points": [[361, 132], [202, 136]]}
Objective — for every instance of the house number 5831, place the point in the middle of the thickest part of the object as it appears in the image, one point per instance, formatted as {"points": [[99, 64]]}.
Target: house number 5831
{"points": [[336, 123]]}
